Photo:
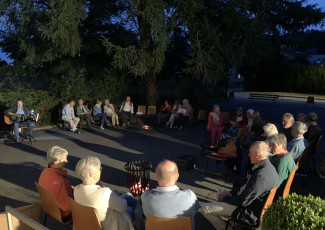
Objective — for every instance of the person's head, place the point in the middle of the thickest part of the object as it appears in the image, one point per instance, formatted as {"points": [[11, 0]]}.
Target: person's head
{"points": [[99, 102], [71, 102], [167, 173], [270, 129], [239, 111], [216, 109], [287, 120], [128, 99], [20, 104], [256, 114], [301, 117], [312, 118], [80, 102], [298, 129], [258, 152], [278, 144], [166, 103], [185, 102], [250, 113], [89, 170], [57, 157], [106, 101]]}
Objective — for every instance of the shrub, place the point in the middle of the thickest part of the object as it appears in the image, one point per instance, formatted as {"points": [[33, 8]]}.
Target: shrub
{"points": [[295, 212]]}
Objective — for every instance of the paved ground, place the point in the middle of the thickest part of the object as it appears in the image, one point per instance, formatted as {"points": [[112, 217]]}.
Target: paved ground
{"points": [[21, 164]]}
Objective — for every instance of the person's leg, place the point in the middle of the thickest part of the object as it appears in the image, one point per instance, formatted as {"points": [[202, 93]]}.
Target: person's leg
{"points": [[123, 118], [172, 119], [213, 134], [213, 212], [219, 131], [100, 115], [234, 131], [67, 119], [31, 125], [115, 119], [16, 130], [75, 123], [159, 117], [89, 120], [243, 135], [230, 130]]}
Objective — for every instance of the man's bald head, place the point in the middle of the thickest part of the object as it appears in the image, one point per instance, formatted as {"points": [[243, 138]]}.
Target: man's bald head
{"points": [[167, 173], [258, 152]]}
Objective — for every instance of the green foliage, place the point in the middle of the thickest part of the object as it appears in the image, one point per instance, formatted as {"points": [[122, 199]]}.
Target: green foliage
{"points": [[294, 213]]}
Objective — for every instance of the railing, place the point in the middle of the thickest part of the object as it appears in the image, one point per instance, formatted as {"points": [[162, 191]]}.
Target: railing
{"points": [[23, 218]]}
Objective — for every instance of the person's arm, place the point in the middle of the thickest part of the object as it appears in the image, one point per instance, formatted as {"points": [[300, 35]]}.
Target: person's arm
{"points": [[132, 111], [116, 203], [72, 113], [64, 110], [169, 108]]}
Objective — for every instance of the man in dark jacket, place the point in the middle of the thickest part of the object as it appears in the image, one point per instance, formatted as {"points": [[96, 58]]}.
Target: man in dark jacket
{"points": [[23, 111], [245, 206]]}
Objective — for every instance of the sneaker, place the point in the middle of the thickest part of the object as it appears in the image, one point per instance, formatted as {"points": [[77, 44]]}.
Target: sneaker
{"points": [[101, 127], [77, 131], [180, 128]]}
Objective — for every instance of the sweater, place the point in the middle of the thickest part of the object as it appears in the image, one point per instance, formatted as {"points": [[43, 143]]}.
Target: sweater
{"points": [[297, 146], [284, 165], [55, 181]]}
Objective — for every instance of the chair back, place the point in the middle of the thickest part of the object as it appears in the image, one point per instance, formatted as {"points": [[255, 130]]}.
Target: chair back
{"points": [[141, 110], [230, 148], [287, 187], [310, 100], [152, 110], [201, 115], [268, 202], [84, 218], [48, 202], [156, 223], [226, 118]]}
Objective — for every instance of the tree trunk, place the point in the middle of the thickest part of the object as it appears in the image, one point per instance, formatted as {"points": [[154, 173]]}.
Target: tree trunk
{"points": [[151, 88]]}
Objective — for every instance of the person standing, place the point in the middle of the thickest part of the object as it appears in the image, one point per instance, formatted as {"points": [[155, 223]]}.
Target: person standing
{"points": [[215, 124], [68, 116], [84, 113]]}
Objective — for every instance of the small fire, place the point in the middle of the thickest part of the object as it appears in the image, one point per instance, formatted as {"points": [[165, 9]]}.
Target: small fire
{"points": [[137, 189], [146, 127]]}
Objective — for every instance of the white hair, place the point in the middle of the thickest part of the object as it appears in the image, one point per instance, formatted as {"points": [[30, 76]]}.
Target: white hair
{"points": [[299, 127], [262, 148], [279, 139], [270, 129], [56, 153], [289, 116], [87, 165]]}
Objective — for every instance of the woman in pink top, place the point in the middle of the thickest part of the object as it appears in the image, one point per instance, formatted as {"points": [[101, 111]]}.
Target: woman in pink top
{"points": [[215, 124]]}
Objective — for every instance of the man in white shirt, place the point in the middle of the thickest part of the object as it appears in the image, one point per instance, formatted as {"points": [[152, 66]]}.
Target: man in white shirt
{"points": [[126, 110], [68, 116], [167, 200]]}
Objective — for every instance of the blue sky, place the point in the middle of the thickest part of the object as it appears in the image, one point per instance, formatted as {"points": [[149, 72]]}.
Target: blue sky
{"points": [[321, 3]]}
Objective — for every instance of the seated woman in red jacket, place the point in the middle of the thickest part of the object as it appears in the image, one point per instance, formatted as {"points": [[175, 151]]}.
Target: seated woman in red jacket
{"points": [[215, 124], [239, 120], [164, 111]]}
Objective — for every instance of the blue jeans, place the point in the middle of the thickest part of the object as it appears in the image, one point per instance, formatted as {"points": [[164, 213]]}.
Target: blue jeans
{"points": [[233, 131], [31, 125], [161, 116], [131, 203], [103, 118]]}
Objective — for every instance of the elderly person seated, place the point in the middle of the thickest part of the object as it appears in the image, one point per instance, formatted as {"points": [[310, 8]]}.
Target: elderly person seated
{"points": [[185, 111], [164, 111], [111, 113], [281, 159], [167, 200], [174, 114], [68, 116], [126, 111], [242, 132], [287, 122], [239, 120], [302, 118], [112, 210], [54, 179], [84, 113], [215, 125], [314, 130], [97, 112], [298, 143], [269, 130], [245, 206]]}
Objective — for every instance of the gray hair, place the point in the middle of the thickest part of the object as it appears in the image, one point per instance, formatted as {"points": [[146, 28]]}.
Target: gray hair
{"points": [[312, 116], [185, 102], [262, 148], [166, 175], [299, 127], [56, 153], [87, 165], [289, 116], [279, 139], [270, 129], [257, 113], [80, 100]]}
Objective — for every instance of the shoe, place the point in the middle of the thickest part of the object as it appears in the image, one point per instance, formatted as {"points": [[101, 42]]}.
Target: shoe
{"points": [[175, 127], [18, 140], [180, 128], [101, 127], [77, 131], [124, 125], [168, 123]]}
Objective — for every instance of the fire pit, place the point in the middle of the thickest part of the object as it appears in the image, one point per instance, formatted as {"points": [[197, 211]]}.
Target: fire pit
{"points": [[138, 176]]}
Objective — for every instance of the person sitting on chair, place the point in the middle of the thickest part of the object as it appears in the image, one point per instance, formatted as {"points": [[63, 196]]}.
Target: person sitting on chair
{"points": [[174, 114], [298, 143], [111, 113], [54, 179], [23, 111], [243, 132], [115, 212], [167, 200], [84, 113], [215, 125], [287, 122], [68, 116], [281, 159], [239, 120], [126, 111], [245, 206], [164, 111], [314, 130], [97, 112]]}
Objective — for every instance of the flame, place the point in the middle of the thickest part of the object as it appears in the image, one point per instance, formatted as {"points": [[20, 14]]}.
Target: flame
{"points": [[137, 189]]}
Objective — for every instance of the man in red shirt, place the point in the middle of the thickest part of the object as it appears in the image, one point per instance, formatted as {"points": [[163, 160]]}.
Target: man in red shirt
{"points": [[54, 179]]}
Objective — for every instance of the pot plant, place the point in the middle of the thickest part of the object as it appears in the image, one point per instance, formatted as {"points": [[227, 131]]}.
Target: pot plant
{"points": [[294, 213]]}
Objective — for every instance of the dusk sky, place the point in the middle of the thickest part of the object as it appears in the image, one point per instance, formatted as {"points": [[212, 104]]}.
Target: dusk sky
{"points": [[321, 4]]}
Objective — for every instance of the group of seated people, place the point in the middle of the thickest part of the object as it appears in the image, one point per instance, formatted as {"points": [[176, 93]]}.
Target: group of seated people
{"points": [[115, 211], [174, 117], [108, 111]]}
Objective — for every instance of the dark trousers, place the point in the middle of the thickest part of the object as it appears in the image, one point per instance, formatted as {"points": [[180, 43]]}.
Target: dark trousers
{"points": [[87, 118], [125, 116], [103, 118]]}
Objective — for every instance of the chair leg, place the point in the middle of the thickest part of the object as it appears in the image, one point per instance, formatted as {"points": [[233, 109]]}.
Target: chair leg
{"points": [[45, 218], [227, 224]]}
